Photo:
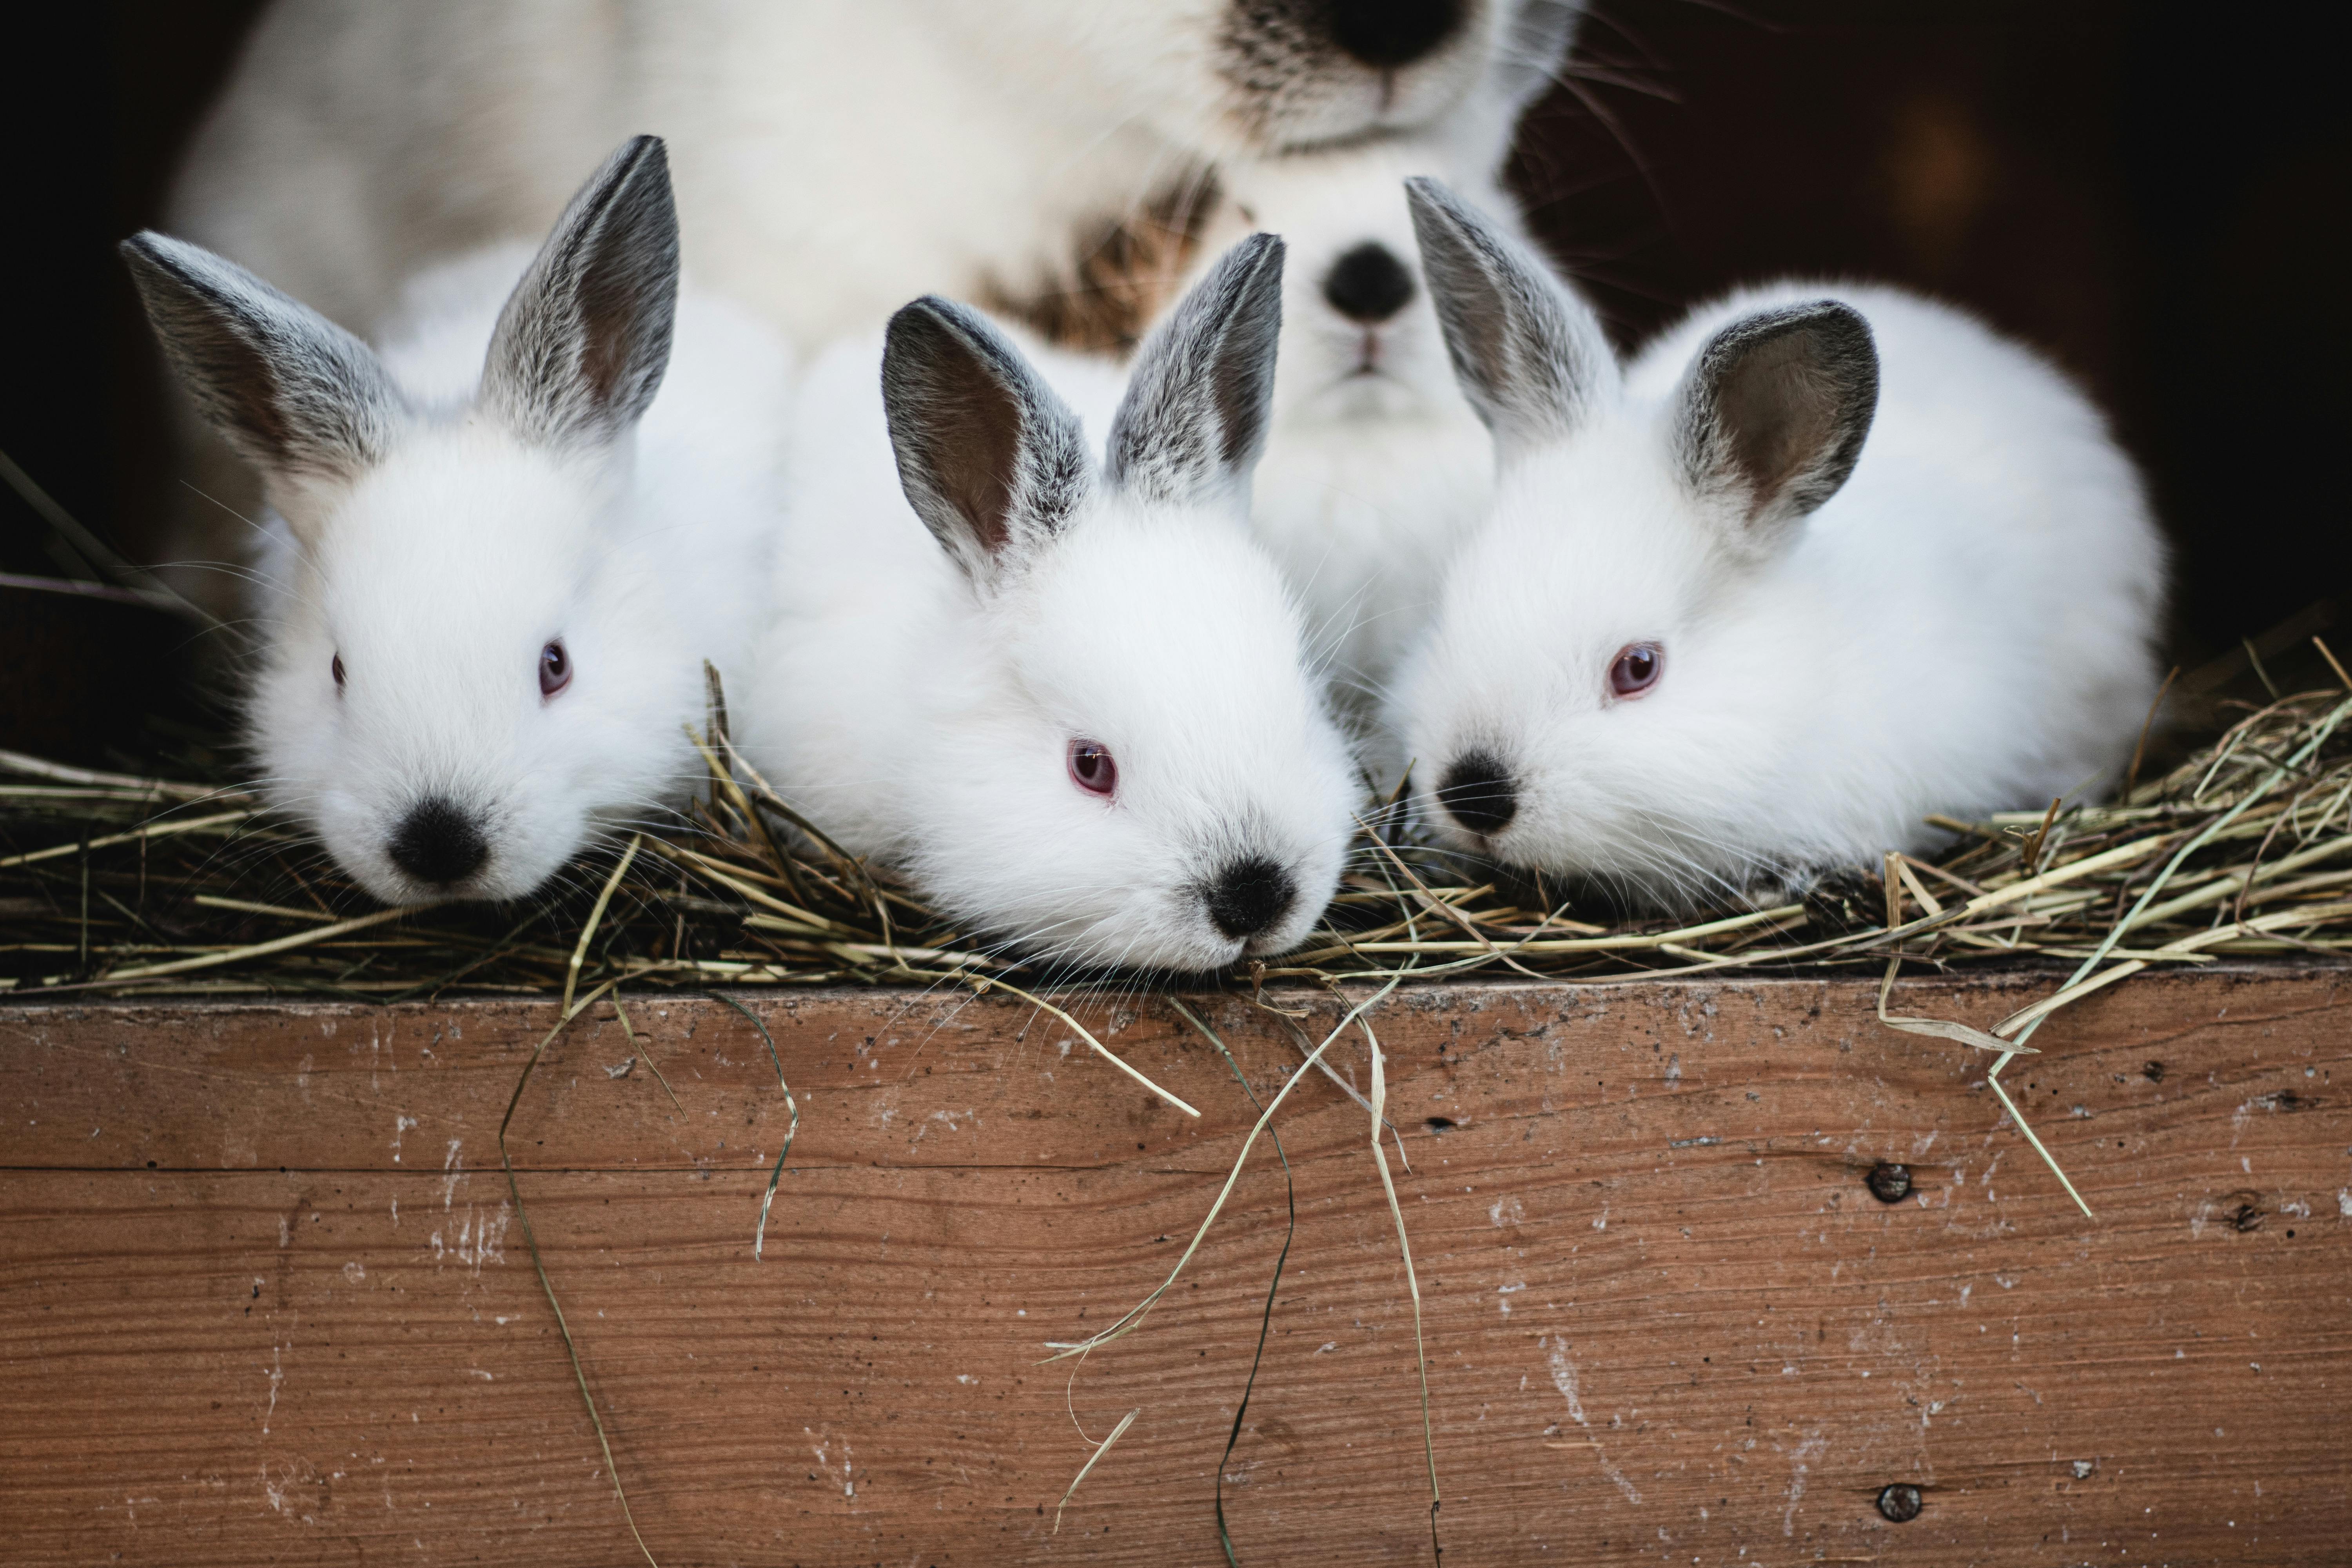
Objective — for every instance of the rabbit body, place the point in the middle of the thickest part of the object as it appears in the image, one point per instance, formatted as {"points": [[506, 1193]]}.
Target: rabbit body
{"points": [[1682, 656], [498, 563], [924, 705]]}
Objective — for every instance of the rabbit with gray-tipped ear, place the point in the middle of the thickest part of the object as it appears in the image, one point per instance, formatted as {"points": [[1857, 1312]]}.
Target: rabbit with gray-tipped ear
{"points": [[1820, 561], [507, 541], [1066, 696]]}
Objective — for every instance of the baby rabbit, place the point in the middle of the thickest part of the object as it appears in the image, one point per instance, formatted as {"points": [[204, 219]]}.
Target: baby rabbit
{"points": [[496, 577], [1077, 712], [1374, 464], [1809, 569]]}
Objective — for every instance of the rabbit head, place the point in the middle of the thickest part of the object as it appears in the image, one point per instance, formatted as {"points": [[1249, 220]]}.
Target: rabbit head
{"points": [[464, 678], [1144, 774], [1359, 340], [1600, 668]]}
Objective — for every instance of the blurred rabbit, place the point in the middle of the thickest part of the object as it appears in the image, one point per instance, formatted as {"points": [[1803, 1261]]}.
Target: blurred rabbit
{"points": [[501, 560], [1077, 710], [1375, 463], [834, 157], [1822, 559]]}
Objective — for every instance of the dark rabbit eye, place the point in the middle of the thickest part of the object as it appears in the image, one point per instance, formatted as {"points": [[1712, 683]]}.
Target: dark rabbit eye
{"points": [[1091, 768], [554, 670], [338, 667], [1636, 670]]}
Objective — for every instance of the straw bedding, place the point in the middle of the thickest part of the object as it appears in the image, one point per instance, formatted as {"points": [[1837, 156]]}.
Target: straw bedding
{"points": [[118, 885]]}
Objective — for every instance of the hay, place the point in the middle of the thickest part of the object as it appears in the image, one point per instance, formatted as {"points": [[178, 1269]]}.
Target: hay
{"points": [[119, 885]]}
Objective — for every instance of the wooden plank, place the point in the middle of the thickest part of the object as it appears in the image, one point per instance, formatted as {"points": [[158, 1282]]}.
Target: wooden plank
{"points": [[263, 1297]]}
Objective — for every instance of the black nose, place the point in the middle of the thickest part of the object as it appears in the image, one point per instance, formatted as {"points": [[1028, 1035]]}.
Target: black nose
{"points": [[1368, 284], [1386, 34], [438, 842], [1249, 897], [1477, 790]]}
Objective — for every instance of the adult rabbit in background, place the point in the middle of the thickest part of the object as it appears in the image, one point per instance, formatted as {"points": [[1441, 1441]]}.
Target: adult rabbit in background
{"points": [[1067, 696], [500, 559], [1820, 561], [1375, 465], [834, 157]]}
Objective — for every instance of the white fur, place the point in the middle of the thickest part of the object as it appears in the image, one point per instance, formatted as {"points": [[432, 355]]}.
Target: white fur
{"points": [[925, 721], [1964, 628], [1375, 466], [438, 573], [834, 157]]}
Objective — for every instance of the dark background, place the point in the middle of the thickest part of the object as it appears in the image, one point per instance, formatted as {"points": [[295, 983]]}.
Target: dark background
{"points": [[2155, 194]]}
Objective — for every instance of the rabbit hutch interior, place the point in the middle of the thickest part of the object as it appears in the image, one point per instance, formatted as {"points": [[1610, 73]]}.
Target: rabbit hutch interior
{"points": [[1274, 782]]}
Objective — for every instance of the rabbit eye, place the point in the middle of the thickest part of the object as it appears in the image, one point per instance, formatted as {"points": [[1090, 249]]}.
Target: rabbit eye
{"points": [[554, 670], [338, 667], [1637, 670], [1091, 768]]}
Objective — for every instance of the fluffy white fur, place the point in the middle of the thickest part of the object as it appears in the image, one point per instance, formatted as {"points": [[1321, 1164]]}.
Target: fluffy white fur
{"points": [[834, 157], [437, 571], [922, 714], [1375, 466], [1965, 626]]}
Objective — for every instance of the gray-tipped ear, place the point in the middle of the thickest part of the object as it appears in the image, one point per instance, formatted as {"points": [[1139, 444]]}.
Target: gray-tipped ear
{"points": [[1531, 356], [1773, 414], [991, 459], [1193, 420], [294, 394], [581, 344]]}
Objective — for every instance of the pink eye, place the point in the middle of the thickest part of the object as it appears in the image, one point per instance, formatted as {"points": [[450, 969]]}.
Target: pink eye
{"points": [[1091, 768], [1637, 669], [554, 670], [338, 667]]}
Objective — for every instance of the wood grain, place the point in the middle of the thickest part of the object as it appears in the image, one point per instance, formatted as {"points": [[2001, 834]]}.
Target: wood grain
{"points": [[263, 1297]]}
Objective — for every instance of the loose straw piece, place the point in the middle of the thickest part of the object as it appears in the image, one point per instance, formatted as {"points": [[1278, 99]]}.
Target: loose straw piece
{"points": [[643, 1043], [258, 950], [1101, 1449], [530, 1237], [1135, 1314], [1266, 1317], [760, 1236], [151, 830], [595, 917], [1412, 1280], [984, 984]]}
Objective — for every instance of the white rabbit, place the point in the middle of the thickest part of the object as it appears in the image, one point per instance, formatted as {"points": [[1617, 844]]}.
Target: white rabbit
{"points": [[835, 158], [1375, 465], [503, 559], [1077, 711], [1823, 560]]}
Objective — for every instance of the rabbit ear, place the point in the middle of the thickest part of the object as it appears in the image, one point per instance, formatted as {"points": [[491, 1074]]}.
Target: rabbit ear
{"points": [[1531, 355], [294, 394], [989, 458], [582, 342], [1773, 415], [1193, 420]]}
